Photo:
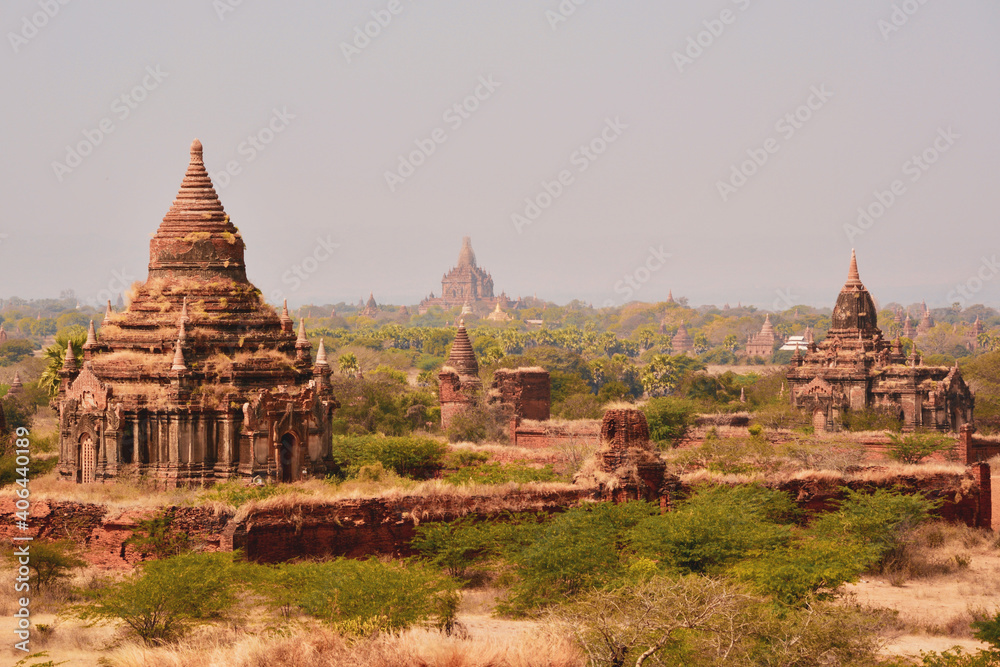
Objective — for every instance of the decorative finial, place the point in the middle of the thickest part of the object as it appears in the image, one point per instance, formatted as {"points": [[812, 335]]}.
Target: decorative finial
{"points": [[196, 148], [91, 336], [108, 312], [178, 364], [182, 333], [302, 332], [321, 354], [184, 308], [69, 361], [853, 278]]}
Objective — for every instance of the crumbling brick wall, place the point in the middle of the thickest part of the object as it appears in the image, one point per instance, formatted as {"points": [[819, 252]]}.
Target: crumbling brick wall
{"points": [[526, 390]]}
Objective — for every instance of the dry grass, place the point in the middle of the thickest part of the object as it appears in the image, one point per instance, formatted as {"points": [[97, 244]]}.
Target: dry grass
{"points": [[317, 646], [940, 580]]}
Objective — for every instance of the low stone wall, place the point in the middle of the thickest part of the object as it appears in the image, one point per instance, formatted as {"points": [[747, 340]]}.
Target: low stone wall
{"points": [[543, 434]]}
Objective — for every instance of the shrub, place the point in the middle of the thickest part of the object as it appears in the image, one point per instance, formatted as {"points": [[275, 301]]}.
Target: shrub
{"points": [[494, 473], [479, 422], [915, 447], [873, 419], [459, 544], [875, 521], [154, 537], [407, 456], [50, 562], [578, 406], [164, 598], [360, 596], [236, 492], [669, 419], [715, 528], [575, 551], [807, 569]]}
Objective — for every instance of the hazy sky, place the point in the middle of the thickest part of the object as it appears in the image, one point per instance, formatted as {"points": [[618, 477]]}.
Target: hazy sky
{"points": [[819, 107]]}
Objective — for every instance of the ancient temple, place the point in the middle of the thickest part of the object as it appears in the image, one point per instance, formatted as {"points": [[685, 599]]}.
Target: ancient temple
{"points": [[371, 308], [762, 344], [198, 379], [682, 343], [926, 321], [972, 337], [458, 381], [465, 284], [854, 368]]}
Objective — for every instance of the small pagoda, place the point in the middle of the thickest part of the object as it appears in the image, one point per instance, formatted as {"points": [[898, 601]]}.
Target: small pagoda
{"points": [[198, 379]]}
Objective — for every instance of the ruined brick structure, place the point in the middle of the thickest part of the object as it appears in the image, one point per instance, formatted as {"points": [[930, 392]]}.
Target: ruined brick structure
{"points": [[198, 379], [466, 284], [458, 382], [526, 390], [682, 343], [627, 454], [762, 344], [855, 368]]}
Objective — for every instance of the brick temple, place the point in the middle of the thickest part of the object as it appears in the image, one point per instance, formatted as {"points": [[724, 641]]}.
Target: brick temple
{"points": [[198, 379], [466, 284], [761, 344], [854, 368]]}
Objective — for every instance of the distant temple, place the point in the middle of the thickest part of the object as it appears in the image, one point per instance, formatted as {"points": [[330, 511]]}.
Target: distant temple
{"points": [[762, 344], [465, 285], [682, 343], [853, 368], [371, 308], [199, 379]]}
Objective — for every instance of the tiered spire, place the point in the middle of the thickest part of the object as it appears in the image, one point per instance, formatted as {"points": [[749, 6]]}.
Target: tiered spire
{"points": [[109, 311], [69, 361], [321, 355], [466, 257], [91, 336], [178, 364], [853, 278], [197, 205], [462, 357], [286, 319]]}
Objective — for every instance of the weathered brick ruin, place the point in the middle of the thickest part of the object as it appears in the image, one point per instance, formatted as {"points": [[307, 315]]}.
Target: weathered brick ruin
{"points": [[458, 382], [527, 390], [198, 379], [630, 459], [854, 368]]}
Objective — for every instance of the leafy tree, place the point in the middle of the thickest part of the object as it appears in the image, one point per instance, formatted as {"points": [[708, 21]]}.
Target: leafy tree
{"points": [[348, 363], [155, 537], [406, 456], [669, 419], [51, 562], [660, 375], [163, 598], [75, 335], [14, 350]]}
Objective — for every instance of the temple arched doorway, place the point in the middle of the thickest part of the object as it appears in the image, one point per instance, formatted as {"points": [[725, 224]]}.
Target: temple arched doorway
{"points": [[286, 458], [87, 460]]}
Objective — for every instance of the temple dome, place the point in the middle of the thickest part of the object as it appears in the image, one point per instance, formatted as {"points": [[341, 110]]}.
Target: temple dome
{"points": [[855, 309]]}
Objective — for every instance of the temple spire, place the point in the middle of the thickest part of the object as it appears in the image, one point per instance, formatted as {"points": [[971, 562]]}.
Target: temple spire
{"points": [[91, 336], [302, 333], [853, 278], [108, 312], [462, 357], [184, 311], [321, 355], [69, 361], [286, 319], [178, 364]]}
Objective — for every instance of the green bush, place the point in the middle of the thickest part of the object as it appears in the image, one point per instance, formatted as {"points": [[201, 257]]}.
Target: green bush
{"points": [[479, 422], [162, 599], [51, 562], [407, 456], [876, 522], [236, 492], [36, 468], [915, 447], [715, 528], [575, 551], [494, 473], [155, 537], [669, 419], [808, 568], [458, 545], [360, 596], [873, 419]]}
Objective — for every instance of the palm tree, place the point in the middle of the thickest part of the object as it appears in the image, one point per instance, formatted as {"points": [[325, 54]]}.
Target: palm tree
{"points": [[348, 363]]}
